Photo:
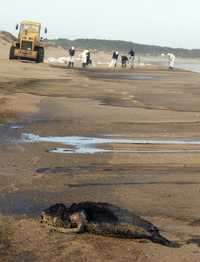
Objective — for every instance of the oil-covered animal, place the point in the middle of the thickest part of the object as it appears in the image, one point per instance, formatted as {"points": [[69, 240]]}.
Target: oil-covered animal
{"points": [[102, 219]]}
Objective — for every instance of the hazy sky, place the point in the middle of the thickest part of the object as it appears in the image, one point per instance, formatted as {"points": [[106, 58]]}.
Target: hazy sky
{"points": [[173, 23]]}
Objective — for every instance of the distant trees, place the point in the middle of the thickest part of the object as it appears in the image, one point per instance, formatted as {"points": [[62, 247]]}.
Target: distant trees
{"points": [[110, 45]]}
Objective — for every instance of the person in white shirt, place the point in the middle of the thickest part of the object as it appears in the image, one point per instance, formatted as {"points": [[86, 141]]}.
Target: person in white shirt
{"points": [[171, 60], [84, 58], [131, 55]]}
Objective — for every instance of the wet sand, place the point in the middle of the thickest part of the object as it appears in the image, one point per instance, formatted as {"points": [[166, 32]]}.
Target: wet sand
{"points": [[162, 187]]}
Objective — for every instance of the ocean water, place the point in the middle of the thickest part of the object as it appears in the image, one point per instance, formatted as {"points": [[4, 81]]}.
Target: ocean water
{"points": [[189, 66]]}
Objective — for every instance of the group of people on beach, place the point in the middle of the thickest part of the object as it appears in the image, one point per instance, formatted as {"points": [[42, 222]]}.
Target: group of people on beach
{"points": [[86, 57], [128, 59], [125, 59]]}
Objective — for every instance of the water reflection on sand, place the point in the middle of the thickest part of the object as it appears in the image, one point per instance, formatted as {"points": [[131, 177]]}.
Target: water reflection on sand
{"points": [[92, 145]]}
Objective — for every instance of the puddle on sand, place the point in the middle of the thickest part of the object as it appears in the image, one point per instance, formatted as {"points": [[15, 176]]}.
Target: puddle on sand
{"points": [[125, 77], [135, 77], [20, 203], [16, 126], [89, 145], [10, 133], [28, 202]]}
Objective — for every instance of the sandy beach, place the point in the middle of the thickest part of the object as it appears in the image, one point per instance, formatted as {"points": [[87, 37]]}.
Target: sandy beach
{"points": [[160, 182]]}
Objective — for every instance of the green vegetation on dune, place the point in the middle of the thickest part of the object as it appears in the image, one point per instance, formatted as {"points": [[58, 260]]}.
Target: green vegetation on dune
{"points": [[110, 45]]}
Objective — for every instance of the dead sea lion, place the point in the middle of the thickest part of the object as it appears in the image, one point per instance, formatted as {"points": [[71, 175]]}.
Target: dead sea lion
{"points": [[102, 219]]}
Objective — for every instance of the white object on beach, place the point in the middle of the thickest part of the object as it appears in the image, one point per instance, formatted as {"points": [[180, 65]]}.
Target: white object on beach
{"points": [[141, 64], [113, 63], [84, 56], [132, 61], [51, 60], [60, 60], [171, 60]]}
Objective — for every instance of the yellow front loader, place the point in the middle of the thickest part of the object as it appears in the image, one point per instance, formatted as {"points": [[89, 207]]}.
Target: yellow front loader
{"points": [[28, 44]]}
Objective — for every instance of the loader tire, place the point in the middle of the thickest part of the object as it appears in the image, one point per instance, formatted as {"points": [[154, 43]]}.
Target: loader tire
{"points": [[40, 55], [12, 53]]}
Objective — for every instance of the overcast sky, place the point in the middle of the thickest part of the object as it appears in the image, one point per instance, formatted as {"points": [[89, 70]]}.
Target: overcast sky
{"points": [[173, 23]]}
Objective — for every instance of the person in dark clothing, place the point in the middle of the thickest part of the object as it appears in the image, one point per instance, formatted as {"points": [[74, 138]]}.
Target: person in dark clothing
{"points": [[115, 57], [89, 60], [124, 60], [71, 56], [131, 55]]}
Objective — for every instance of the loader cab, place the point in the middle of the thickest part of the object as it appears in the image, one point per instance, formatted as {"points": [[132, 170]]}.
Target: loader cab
{"points": [[29, 35]]}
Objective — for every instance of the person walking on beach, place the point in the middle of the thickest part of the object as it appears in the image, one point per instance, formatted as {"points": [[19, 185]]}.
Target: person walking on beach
{"points": [[114, 60], [124, 60], [71, 56], [131, 55], [84, 57], [171, 60], [89, 60]]}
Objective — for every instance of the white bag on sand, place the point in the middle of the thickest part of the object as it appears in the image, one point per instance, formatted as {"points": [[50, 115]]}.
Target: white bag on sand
{"points": [[51, 60], [60, 60]]}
